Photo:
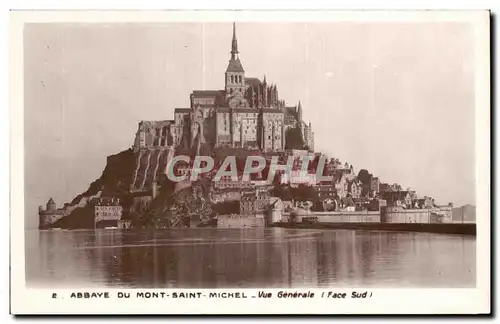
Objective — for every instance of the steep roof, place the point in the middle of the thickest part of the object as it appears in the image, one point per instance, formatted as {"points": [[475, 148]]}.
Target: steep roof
{"points": [[291, 111], [252, 81], [235, 66]]}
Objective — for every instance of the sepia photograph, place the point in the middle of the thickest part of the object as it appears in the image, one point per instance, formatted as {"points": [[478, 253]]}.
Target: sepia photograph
{"points": [[222, 157]]}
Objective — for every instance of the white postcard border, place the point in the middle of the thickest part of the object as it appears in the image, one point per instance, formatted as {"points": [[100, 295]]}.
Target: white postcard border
{"points": [[424, 301]]}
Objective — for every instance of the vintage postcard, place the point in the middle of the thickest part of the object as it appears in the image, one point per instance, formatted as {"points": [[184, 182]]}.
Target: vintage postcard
{"points": [[250, 162]]}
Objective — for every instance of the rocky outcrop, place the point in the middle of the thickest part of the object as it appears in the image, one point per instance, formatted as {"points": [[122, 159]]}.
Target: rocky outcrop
{"points": [[149, 167], [114, 181]]}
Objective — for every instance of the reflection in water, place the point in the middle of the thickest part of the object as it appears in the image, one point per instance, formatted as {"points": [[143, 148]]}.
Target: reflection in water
{"points": [[248, 258]]}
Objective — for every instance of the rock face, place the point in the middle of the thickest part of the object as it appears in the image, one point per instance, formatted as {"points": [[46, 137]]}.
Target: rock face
{"points": [[130, 176], [114, 181], [150, 166]]}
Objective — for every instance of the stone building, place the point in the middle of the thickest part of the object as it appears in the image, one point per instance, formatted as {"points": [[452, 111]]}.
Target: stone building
{"points": [[397, 198], [248, 204], [154, 134], [374, 184], [49, 215], [108, 211], [247, 113], [354, 188], [325, 191], [254, 202]]}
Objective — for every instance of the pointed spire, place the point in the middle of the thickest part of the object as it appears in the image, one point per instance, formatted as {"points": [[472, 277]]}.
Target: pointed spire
{"points": [[299, 111], [265, 82], [234, 43]]}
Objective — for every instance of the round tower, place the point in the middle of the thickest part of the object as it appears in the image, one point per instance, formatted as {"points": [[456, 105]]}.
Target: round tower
{"points": [[51, 205]]}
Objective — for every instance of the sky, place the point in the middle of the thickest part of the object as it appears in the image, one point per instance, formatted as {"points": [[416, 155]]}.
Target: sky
{"points": [[396, 99]]}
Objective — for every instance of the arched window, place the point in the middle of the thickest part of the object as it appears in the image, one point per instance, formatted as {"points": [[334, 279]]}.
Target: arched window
{"points": [[232, 79], [240, 78]]}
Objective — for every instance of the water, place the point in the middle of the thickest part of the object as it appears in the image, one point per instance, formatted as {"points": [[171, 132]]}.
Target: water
{"points": [[248, 258]]}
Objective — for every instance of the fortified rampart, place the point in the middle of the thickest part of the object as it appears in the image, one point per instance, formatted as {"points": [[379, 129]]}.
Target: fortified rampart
{"points": [[386, 215], [399, 215], [336, 217]]}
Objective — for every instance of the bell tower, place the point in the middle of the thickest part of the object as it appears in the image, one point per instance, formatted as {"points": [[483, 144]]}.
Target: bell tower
{"points": [[235, 75]]}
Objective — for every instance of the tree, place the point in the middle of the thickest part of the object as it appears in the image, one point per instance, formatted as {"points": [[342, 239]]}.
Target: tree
{"points": [[364, 176], [304, 193]]}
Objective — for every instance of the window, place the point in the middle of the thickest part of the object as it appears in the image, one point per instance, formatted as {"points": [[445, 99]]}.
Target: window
{"points": [[232, 79]]}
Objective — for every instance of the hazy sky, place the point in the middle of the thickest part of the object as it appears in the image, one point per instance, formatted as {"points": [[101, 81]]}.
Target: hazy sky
{"points": [[394, 98]]}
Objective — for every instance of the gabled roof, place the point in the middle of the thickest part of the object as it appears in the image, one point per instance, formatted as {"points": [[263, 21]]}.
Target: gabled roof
{"points": [[235, 66]]}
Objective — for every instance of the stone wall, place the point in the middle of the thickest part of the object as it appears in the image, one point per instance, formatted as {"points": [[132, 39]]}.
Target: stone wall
{"points": [[240, 221], [338, 217], [421, 216]]}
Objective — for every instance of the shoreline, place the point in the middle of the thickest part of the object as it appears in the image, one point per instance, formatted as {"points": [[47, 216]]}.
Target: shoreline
{"points": [[446, 228]]}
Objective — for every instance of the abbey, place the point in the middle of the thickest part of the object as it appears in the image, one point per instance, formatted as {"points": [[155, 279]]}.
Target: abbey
{"points": [[247, 113]]}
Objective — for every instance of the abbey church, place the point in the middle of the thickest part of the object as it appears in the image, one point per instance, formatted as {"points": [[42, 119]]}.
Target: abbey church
{"points": [[247, 113]]}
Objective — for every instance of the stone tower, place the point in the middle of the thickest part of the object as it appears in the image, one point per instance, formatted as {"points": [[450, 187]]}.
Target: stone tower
{"points": [[51, 205], [235, 75]]}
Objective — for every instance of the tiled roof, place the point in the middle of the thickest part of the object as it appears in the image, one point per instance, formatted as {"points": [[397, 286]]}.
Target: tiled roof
{"points": [[248, 197], [271, 110], [245, 110], [394, 195], [182, 110], [291, 111], [235, 66], [207, 93], [252, 81]]}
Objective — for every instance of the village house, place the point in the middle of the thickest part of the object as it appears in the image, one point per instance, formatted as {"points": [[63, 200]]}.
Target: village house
{"points": [[397, 199], [383, 187], [248, 204], [275, 210], [341, 184], [354, 188], [254, 201], [374, 184], [325, 191], [426, 202], [108, 211], [227, 182], [297, 177]]}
